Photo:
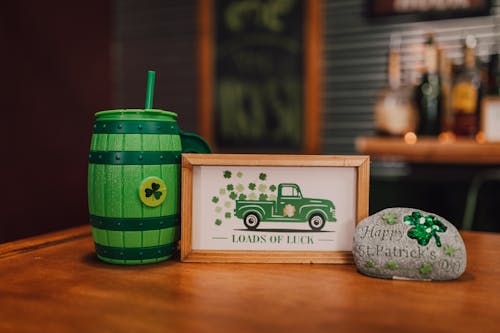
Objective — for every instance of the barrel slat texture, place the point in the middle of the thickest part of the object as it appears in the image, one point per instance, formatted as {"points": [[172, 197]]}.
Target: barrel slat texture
{"points": [[133, 208], [133, 142], [114, 193], [126, 238], [113, 180]]}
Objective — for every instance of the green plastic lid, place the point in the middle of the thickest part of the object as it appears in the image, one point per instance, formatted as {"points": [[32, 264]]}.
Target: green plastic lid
{"points": [[137, 114]]}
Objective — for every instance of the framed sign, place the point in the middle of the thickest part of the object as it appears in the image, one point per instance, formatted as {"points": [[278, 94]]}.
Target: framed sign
{"points": [[272, 208], [260, 71], [490, 118]]}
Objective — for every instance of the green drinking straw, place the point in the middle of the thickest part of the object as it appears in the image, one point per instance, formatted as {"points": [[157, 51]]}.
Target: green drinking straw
{"points": [[150, 90]]}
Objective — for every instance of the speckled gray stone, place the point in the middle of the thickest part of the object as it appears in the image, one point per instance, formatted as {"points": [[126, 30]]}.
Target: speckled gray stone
{"points": [[408, 243]]}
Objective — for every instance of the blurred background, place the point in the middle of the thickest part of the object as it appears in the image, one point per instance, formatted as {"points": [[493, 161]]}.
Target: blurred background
{"points": [[284, 76]]}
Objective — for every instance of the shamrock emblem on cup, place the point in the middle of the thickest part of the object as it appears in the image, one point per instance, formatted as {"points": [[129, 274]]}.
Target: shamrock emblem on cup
{"points": [[152, 191]]}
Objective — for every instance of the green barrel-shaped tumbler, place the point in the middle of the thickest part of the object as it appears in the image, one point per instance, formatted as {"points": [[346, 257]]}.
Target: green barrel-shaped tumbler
{"points": [[134, 184]]}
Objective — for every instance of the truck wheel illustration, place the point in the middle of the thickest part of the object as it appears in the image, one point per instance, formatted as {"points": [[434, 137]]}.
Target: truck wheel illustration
{"points": [[251, 221], [316, 222]]}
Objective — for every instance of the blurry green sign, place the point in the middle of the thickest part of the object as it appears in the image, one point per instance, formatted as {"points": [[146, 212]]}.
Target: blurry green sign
{"points": [[258, 74]]}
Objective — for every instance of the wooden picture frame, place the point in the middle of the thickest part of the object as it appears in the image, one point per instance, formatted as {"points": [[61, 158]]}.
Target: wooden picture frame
{"points": [[490, 118], [281, 186], [312, 67]]}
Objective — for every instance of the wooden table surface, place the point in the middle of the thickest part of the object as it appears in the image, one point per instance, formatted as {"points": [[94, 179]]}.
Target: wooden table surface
{"points": [[430, 150], [54, 283]]}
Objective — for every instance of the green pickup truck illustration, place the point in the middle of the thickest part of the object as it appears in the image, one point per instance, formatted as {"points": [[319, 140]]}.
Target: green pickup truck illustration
{"points": [[289, 206]]}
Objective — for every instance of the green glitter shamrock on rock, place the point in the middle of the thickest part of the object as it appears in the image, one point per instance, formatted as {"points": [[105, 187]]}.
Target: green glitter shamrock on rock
{"points": [[424, 228]]}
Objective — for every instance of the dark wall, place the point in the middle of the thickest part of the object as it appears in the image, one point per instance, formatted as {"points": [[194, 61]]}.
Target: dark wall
{"points": [[159, 35], [55, 73]]}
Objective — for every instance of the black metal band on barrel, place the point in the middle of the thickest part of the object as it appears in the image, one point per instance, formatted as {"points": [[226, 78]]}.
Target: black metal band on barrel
{"points": [[141, 253], [135, 127], [134, 157], [134, 224]]}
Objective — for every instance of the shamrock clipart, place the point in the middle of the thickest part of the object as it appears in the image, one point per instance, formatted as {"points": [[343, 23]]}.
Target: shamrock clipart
{"points": [[424, 228]]}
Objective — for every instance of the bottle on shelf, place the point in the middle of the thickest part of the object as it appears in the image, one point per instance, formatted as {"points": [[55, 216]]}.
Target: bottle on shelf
{"points": [[395, 111], [428, 92], [445, 76], [493, 85], [466, 92], [494, 72]]}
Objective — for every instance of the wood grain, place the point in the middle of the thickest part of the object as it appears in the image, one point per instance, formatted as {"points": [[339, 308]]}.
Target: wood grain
{"points": [[205, 70], [363, 190], [36, 242], [63, 287], [268, 257], [313, 85], [186, 208], [430, 150], [276, 160]]}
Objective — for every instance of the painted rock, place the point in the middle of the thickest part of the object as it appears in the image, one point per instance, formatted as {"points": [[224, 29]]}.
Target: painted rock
{"points": [[407, 243]]}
